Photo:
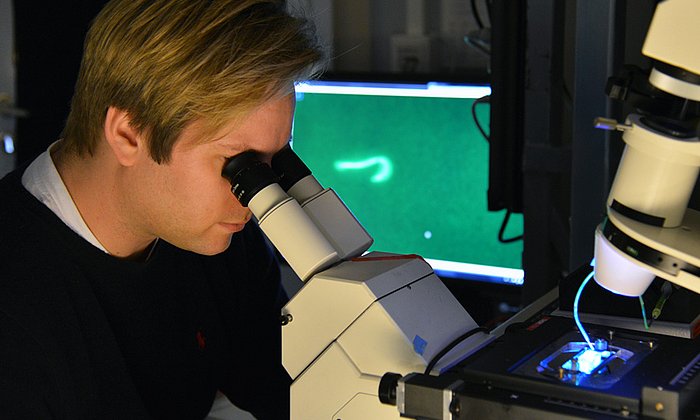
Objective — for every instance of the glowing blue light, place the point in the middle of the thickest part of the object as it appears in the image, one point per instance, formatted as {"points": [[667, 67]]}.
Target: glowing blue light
{"points": [[588, 361], [578, 321], [9, 144]]}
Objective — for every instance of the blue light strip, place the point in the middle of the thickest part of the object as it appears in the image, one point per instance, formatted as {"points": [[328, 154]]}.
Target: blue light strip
{"points": [[428, 90], [644, 312], [576, 318], [513, 276]]}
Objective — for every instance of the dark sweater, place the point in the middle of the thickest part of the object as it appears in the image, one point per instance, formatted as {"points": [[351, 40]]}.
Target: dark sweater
{"points": [[84, 335]]}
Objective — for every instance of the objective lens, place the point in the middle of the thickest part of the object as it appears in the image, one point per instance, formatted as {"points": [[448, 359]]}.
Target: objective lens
{"points": [[248, 175]]}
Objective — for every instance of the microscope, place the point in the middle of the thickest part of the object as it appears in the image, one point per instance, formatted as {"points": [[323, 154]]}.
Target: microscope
{"points": [[358, 315], [378, 336], [649, 231]]}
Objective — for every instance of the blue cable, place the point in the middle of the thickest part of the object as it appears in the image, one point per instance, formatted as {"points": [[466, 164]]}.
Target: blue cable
{"points": [[578, 296], [644, 312]]}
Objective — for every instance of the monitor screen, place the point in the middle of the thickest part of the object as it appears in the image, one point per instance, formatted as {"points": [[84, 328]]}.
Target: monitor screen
{"points": [[411, 164]]}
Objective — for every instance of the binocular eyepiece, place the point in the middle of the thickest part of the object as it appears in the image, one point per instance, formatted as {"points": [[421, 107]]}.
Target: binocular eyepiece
{"points": [[310, 225], [249, 175]]}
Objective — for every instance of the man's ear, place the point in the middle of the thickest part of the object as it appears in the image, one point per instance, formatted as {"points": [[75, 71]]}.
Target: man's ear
{"points": [[125, 141]]}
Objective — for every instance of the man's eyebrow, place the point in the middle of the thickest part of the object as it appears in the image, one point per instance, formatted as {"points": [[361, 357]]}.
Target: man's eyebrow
{"points": [[234, 149]]}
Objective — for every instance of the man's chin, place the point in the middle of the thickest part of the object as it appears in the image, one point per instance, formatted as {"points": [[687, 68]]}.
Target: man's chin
{"points": [[210, 248]]}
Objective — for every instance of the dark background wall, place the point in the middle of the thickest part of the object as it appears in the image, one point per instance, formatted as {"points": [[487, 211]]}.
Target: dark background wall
{"points": [[48, 46]]}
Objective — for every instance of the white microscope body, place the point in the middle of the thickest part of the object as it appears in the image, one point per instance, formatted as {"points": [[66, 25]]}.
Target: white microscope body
{"points": [[357, 316], [649, 230]]}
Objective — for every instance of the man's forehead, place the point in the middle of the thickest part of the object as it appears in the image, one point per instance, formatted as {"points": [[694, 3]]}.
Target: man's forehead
{"points": [[238, 133]]}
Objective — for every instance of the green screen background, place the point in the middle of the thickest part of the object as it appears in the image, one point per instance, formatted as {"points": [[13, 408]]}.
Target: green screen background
{"points": [[434, 202]]}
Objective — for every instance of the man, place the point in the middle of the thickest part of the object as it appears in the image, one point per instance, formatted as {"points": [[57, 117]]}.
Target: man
{"points": [[132, 284]]}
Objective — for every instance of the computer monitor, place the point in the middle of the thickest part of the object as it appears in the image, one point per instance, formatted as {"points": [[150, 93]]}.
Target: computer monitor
{"points": [[410, 162]]}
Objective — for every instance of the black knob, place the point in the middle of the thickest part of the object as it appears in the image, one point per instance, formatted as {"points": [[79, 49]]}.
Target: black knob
{"points": [[387, 388]]}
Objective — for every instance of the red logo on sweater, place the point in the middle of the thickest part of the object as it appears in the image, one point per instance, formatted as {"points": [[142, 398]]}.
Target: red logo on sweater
{"points": [[201, 340]]}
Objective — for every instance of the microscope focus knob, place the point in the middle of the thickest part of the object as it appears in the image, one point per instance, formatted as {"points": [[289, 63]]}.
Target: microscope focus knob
{"points": [[387, 388]]}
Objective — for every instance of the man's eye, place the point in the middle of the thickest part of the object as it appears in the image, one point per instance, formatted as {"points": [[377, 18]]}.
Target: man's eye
{"points": [[240, 163]]}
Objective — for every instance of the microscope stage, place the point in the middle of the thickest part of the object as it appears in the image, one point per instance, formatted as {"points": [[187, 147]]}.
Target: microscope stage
{"points": [[546, 367], [572, 361]]}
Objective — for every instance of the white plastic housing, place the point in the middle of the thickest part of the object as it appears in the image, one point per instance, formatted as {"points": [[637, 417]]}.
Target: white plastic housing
{"points": [[656, 174], [672, 38], [618, 272], [292, 232], [305, 188], [360, 319], [338, 224], [614, 268]]}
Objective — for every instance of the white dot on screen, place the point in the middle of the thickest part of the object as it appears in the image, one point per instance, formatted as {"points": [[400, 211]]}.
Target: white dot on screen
{"points": [[427, 234]]}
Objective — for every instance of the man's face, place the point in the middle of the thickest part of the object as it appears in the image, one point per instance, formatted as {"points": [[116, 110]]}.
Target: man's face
{"points": [[186, 201]]}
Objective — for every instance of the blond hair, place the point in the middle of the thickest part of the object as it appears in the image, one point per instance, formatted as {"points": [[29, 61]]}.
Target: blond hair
{"points": [[168, 63]]}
